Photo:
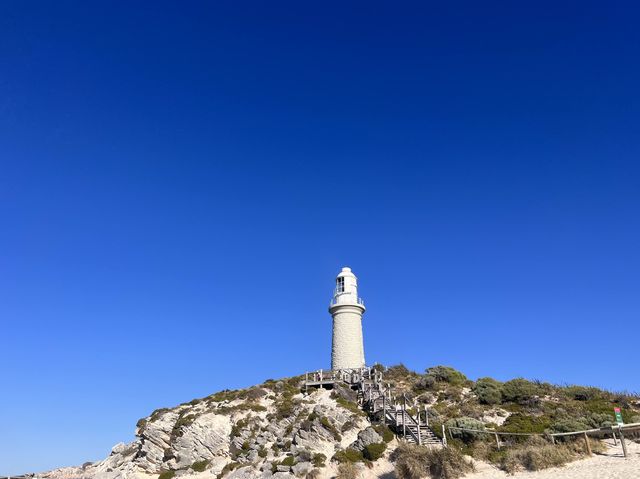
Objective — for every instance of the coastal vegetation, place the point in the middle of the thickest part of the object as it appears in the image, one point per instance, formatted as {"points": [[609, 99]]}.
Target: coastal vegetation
{"points": [[275, 428]]}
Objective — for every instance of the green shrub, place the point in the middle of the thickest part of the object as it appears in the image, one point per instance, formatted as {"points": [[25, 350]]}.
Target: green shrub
{"points": [[519, 422], [331, 428], [288, 461], [157, 413], [519, 391], [582, 393], [199, 466], [569, 425], [253, 393], [416, 462], [184, 420], [466, 423], [374, 451], [348, 455], [398, 372], [384, 431], [224, 395], [237, 428], [318, 460], [262, 452], [167, 475], [446, 374], [284, 409], [226, 469], [488, 390], [350, 406]]}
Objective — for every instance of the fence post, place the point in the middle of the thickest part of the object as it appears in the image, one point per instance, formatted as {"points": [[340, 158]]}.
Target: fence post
{"points": [[586, 442], [419, 435], [615, 441], [404, 412], [624, 444], [384, 409], [444, 436], [497, 440]]}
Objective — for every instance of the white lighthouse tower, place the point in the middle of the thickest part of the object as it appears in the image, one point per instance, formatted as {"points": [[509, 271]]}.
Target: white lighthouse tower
{"points": [[346, 308]]}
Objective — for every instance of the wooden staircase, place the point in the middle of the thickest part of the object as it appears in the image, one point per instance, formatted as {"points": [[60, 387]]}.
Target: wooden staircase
{"points": [[377, 400]]}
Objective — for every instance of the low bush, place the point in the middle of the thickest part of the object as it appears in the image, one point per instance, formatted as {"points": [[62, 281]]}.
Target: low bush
{"points": [[350, 406], [398, 372], [348, 455], [466, 423], [199, 466], [520, 391], [416, 462], [569, 425], [384, 431], [440, 375], [318, 460], [331, 428], [519, 422], [488, 391], [167, 475], [582, 393], [253, 393], [374, 451], [226, 469]]}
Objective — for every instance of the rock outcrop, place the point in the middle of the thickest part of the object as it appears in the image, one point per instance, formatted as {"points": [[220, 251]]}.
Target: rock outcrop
{"points": [[268, 431]]}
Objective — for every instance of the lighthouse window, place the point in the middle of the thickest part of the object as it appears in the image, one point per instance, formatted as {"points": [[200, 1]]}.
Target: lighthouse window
{"points": [[340, 285]]}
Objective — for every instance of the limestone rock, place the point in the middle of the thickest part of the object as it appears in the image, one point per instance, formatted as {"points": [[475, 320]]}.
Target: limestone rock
{"points": [[366, 437], [205, 438], [301, 469], [236, 427]]}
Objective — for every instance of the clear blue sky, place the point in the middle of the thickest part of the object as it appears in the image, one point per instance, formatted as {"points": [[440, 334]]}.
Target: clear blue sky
{"points": [[180, 183]]}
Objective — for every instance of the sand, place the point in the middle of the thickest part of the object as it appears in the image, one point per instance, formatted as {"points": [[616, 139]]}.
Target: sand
{"points": [[610, 465]]}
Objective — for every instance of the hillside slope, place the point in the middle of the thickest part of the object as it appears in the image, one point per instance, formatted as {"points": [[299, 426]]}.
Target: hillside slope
{"points": [[274, 430]]}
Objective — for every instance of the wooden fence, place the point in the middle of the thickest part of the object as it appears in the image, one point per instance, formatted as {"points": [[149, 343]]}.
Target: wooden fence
{"points": [[616, 432]]}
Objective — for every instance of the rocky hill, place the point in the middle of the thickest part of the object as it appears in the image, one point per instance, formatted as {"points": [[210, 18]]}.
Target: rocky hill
{"points": [[273, 430]]}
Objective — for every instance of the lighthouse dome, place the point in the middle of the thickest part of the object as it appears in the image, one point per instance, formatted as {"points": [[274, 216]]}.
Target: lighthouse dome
{"points": [[346, 271]]}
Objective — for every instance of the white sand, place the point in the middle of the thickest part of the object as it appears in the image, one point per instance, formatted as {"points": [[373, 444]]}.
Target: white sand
{"points": [[611, 465]]}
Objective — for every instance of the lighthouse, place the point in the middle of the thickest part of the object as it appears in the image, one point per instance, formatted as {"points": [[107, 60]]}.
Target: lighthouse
{"points": [[346, 308]]}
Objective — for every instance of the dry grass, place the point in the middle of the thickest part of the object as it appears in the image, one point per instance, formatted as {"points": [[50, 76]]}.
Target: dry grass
{"points": [[415, 462], [537, 454], [347, 470], [314, 474], [535, 458]]}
